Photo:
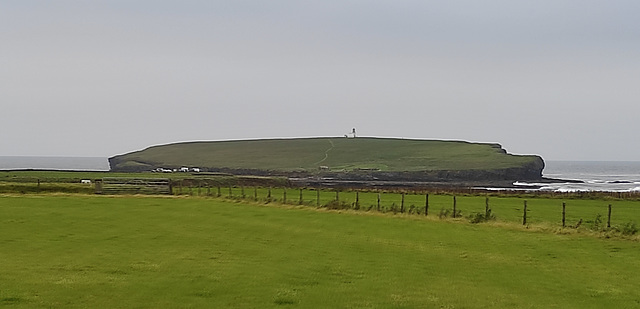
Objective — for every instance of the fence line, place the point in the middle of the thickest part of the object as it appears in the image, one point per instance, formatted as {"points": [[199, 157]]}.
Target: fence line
{"points": [[368, 200], [133, 186], [407, 202]]}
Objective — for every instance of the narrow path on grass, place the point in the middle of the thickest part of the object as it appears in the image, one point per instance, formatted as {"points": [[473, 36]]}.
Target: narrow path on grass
{"points": [[326, 153]]}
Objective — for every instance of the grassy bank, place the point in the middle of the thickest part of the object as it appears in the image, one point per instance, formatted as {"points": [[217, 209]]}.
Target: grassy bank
{"points": [[124, 252], [44, 181]]}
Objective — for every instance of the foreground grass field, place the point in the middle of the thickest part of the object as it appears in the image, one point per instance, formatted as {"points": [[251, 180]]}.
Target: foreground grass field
{"points": [[171, 252]]}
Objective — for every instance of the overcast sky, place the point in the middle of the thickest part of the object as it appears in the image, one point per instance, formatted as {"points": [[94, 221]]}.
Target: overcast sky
{"points": [[557, 78]]}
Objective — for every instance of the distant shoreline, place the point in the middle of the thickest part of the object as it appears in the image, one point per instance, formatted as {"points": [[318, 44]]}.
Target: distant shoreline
{"points": [[53, 170], [54, 163]]}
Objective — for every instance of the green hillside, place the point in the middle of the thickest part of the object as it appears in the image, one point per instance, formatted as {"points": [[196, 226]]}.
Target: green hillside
{"points": [[336, 154]]}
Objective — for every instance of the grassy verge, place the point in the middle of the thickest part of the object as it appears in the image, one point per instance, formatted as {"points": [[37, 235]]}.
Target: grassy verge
{"points": [[150, 252]]}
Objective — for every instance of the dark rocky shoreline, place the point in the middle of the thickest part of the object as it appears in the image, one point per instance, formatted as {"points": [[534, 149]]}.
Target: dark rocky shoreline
{"points": [[359, 179], [417, 185]]}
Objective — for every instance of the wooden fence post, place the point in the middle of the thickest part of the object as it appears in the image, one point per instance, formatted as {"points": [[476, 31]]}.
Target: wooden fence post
{"points": [[318, 197], [255, 193], [337, 195], [242, 190], [98, 186], [524, 216], [609, 217], [402, 204], [454, 206], [357, 200], [378, 201], [230, 192], [284, 195], [269, 195], [219, 193], [564, 213], [486, 207], [426, 204], [300, 200]]}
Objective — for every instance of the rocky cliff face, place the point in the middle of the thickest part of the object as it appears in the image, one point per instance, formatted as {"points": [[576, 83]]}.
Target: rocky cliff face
{"points": [[118, 164], [529, 171]]}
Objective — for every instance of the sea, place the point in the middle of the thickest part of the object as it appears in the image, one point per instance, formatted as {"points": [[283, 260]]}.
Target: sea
{"points": [[54, 163], [609, 176]]}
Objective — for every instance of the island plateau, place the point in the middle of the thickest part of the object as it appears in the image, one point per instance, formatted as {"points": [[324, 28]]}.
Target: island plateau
{"points": [[341, 159]]}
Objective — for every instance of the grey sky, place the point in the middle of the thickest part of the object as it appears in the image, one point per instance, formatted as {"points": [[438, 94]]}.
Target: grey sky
{"points": [[98, 78]]}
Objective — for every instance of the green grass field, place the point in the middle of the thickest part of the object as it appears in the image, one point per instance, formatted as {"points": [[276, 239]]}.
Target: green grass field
{"points": [[77, 251]]}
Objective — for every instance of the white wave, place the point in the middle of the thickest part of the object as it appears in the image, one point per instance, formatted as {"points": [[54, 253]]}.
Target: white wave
{"points": [[525, 184], [549, 188], [596, 181], [503, 189], [568, 190]]}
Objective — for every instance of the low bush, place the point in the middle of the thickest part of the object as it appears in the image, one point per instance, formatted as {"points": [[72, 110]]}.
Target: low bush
{"points": [[629, 228], [479, 217], [338, 205], [596, 224], [446, 213]]}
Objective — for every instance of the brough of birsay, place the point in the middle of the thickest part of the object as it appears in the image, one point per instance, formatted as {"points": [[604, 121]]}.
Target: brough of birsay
{"points": [[332, 160], [204, 154]]}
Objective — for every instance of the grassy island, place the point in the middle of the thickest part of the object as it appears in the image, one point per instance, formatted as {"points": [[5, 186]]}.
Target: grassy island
{"points": [[338, 155]]}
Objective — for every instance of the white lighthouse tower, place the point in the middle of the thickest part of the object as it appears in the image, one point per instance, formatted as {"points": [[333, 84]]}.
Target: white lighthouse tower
{"points": [[352, 134]]}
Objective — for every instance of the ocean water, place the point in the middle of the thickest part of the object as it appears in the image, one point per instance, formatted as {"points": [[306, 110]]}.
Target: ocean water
{"points": [[54, 163], [614, 176]]}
